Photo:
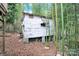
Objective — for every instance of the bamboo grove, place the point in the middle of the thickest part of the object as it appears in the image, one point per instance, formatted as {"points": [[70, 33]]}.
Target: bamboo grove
{"points": [[66, 17], [66, 22]]}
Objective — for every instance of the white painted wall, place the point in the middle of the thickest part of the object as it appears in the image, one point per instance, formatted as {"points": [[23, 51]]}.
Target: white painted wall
{"points": [[32, 27]]}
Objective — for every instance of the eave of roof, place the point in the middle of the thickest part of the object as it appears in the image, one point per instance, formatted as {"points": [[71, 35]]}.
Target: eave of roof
{"points": [[2, 9], [36, 15]]}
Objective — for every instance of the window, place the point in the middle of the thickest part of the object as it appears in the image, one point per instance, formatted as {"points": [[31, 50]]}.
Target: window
{"points": [[43, 24]]}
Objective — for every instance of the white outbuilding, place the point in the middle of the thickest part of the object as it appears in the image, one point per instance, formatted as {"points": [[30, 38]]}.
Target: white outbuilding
{"points": [[34, 26]]}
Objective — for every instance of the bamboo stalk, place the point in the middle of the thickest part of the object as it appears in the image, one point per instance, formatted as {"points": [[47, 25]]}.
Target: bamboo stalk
{"points": [[53, 18], [46, 42], [75, 26], [56, 33], [62, 29]]}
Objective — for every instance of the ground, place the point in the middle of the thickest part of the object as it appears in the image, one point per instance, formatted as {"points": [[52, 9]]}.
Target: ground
{"points": [[14, 46]]}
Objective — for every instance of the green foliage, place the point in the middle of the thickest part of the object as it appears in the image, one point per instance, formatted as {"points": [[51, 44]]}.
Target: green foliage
{"points": [[19, 8], [12, 11], [14, 17], [42, 9]]}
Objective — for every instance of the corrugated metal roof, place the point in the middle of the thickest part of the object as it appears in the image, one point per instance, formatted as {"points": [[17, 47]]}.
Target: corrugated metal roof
{"points": [[28, 8]]}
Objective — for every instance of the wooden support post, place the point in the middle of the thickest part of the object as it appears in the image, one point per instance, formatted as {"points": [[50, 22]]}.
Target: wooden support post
{"points": [[26, 40], [43, 39], [3, 35]]}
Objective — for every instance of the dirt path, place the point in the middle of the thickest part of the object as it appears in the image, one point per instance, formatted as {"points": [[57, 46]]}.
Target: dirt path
{"points": [[16, 47]]}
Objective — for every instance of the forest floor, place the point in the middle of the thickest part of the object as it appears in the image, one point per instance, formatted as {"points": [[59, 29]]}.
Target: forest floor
{"points": [[14, 46]]}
